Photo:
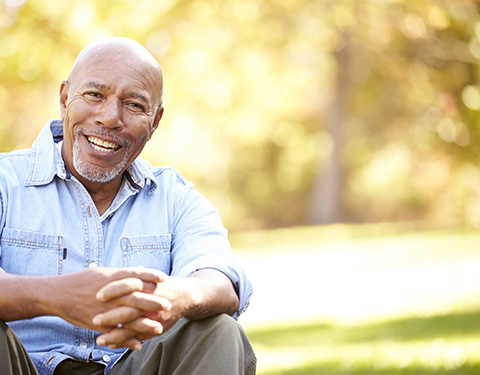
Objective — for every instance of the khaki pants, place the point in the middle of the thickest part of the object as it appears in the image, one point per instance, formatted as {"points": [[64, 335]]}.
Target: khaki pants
{"points": [[212, 346]]}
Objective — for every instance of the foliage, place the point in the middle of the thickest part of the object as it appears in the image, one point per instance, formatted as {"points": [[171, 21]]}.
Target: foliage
{"points": [[248, 92]]}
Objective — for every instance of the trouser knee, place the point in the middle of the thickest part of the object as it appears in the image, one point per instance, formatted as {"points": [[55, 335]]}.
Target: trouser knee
{"points": [[221, 324], [215, 345], [227, 339], [222, 328], [14, 358]]}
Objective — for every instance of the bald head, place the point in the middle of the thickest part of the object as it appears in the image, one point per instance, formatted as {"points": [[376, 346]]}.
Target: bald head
{"points": [[110, 105], [120, 50]]}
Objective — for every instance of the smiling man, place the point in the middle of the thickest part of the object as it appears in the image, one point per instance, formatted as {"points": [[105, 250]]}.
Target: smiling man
{"points": [[110, 265], [111, 104]]}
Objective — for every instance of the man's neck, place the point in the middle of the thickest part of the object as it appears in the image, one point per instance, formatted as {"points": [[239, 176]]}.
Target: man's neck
{"points": [[103, 194]]}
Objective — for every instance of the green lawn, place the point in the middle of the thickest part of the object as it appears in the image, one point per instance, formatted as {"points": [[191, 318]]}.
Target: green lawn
{"points": [[441, 337]]}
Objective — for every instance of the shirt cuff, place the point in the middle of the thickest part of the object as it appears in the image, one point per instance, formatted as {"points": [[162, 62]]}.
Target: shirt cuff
{"points": [[234, 272]]}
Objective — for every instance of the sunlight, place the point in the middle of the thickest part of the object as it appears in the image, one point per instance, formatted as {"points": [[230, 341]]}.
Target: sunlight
{"points": [[437, 17], [348, 283], [158, 43], [471, 97], [82, 14], [413, 26]]}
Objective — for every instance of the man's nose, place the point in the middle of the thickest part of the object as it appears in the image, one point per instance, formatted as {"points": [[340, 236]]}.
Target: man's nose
{"points": [[110, 115]]}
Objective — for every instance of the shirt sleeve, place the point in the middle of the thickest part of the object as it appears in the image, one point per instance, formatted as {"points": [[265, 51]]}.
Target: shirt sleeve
{"points": [[200, 241]]}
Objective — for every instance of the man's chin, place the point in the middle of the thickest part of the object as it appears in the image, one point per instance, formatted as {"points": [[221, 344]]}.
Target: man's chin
{"points": [[95, 174], [97, 177]]}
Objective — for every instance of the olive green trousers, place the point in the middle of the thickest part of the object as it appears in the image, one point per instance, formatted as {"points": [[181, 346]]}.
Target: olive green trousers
{"points": [[212, 346]]}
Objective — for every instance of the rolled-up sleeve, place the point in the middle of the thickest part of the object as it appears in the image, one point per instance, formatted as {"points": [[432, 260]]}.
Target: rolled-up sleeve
{"points": [[200, 241]]}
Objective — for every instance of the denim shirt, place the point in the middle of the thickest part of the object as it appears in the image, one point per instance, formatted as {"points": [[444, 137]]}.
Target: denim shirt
{"points": [[50, 226]]}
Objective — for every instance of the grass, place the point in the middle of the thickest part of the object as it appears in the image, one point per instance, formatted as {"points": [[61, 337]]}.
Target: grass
{"points": [[430, 275], [445, 344]]}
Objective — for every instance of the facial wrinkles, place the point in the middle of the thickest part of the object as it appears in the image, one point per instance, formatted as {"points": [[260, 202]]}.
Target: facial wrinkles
{"points": [[105, 60]]}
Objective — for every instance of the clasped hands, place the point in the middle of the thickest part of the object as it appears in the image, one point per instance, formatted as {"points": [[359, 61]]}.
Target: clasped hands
{"points": [[137, 315], [129, 305]]}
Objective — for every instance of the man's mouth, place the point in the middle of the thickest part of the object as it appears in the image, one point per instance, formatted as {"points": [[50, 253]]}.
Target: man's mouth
{"points": [[101, 145]]}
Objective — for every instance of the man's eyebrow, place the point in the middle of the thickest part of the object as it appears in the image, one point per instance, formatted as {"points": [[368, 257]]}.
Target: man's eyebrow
{"points": [[138, 96], [99, 86]]}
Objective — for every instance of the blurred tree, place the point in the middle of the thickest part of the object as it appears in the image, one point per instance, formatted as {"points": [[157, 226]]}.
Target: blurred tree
{"points": [[282, 111], [327, 194]]}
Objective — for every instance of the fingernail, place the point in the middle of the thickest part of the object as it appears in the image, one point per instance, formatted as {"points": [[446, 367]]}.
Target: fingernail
{"points": [[101, 341], [100, 296], [97, 321], [137, 346]]}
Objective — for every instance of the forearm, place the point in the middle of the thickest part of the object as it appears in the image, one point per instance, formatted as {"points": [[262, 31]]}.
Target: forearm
{"points": [[213, 294], [23, 297], [71, 296]]}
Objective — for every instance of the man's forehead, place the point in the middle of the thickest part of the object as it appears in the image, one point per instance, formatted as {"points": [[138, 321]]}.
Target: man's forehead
{"points": [[119, 63], [114, 69]]}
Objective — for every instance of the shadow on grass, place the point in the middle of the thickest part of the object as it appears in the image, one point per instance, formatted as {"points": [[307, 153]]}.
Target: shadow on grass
{"points": [[408, 329]]}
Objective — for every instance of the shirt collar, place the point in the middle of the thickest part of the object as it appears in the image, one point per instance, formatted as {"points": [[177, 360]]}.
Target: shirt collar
{"points": [[139, 174], [46, 162]]}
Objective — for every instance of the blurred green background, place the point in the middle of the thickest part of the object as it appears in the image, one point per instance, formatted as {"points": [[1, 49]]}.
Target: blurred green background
{"points": [[364, 115], [283, 112]]}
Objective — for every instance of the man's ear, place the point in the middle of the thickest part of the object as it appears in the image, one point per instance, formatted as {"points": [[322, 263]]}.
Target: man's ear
{"points": [[157, 119], [63, 98]]}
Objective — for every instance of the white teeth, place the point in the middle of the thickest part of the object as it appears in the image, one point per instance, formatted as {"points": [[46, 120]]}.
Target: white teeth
{"points": [[101, 145]]}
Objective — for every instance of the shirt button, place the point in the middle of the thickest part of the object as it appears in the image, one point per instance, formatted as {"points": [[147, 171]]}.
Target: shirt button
{"points": [[106, 358], [83, 344], [92, 265]]}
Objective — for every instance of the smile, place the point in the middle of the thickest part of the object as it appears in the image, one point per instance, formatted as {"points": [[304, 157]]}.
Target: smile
{"points": [[101, 145]]}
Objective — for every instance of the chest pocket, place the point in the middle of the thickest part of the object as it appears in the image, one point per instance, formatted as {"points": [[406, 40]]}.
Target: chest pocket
{"points": [[147, 251], [30, 253]]}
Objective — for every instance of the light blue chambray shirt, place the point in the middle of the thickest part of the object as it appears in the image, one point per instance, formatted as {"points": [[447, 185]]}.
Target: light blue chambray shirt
{"points": [[157, 220]]}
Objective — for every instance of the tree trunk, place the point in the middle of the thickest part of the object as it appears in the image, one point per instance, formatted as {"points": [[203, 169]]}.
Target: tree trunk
{"points": [[327, 195]]}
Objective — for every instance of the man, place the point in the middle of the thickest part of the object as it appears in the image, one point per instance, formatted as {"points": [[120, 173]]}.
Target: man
{"points": [[109, 264]]}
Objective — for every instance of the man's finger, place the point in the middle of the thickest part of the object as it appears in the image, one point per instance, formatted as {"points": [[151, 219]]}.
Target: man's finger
{"points": [[119, 338], [119, 288], [146, 274], [144, 302], [118, 315], [133, 344], [145, 328], [130, 334]]}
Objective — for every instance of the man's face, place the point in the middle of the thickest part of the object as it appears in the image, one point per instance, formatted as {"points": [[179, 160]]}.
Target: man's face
{"points": [[110, 109]]}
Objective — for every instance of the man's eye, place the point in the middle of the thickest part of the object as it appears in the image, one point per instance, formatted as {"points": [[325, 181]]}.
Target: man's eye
{"points": [[93, 94], [135, 106]]}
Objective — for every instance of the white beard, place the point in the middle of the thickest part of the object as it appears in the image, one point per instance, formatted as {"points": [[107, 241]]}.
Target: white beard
{"points": [[91, 172]]}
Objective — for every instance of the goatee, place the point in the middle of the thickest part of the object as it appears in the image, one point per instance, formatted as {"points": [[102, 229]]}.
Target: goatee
{"points": [[92, 172]]}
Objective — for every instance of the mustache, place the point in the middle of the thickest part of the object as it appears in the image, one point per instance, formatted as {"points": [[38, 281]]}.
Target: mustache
{"points": [[103, 133]]}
